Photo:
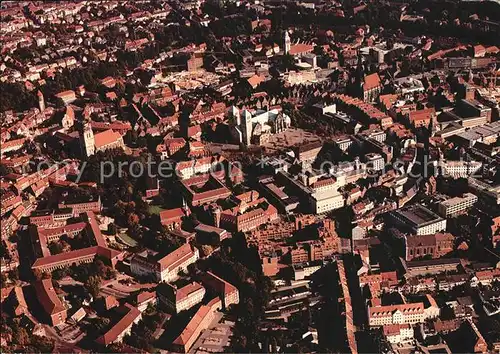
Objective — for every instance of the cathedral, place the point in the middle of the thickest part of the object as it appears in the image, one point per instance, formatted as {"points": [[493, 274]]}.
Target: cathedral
{"points": [[248, 128], [92, 143]]}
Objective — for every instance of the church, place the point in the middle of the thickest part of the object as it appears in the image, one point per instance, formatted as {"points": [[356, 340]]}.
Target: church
{"points": [[297, 49], [256, 128], [92, 143]]}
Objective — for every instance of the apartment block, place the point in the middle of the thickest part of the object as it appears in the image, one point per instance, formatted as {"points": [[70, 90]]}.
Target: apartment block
{"points": [[456, 205]]}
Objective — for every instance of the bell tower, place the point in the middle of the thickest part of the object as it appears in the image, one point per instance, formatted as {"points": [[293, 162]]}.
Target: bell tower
{"points": [[88, 143], [41, 101], [287, 43]]}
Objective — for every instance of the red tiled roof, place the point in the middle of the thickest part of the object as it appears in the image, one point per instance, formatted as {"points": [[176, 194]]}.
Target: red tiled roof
{"points": [[383, 311], [48, 297], [65, 94], [422, 114], [192, 326], [173, 258], [79, 226], [371, 81], [110, 301], [93, 228], [145, 296], [194, 130], [394, 329], [478, 49], [255, 80], [184, 292], [68, 257], [110, 336], [105, 138], [301, 48], [171, 215], [218, 284]]}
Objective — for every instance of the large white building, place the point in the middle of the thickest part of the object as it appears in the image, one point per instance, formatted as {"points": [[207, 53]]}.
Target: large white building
{"points": [[396, 314], [375, 161], [398, 333], [248, 128], [419, 220], [459, 169], [323, 202], [456, 205]]}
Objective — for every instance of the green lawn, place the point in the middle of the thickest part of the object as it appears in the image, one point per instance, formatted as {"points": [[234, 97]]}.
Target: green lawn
{"points": [[127, 239], [155, 209]]}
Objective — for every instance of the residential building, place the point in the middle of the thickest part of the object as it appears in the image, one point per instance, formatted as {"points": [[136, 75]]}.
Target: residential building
{"points": [[248, 216], [456, 205], [398, 333], [302, 271], [375, 162], [430, 267], [212, 189], [396, 314], [459, 169]]}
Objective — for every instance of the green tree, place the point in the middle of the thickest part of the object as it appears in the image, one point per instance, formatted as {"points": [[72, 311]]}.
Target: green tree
{"points": [[21, 336], [287, 62], [14, 274], [55, 248], [112, 229], [93, 284]]}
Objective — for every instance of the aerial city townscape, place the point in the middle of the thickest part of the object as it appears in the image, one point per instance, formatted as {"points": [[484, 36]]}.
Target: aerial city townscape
{"points": [[265, 176]]}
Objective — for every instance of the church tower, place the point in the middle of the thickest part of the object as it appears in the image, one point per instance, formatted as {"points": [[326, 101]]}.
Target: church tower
{"points": [[41, 101], [247, 127], [88, 143], [287, 43]]}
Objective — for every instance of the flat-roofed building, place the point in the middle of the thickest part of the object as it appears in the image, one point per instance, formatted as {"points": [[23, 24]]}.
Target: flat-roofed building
{"points": [[325, 201], [343, 142], [456, 205], [473, 108], [302, 271], [375, 161], [419, 220], [485, 188]]}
